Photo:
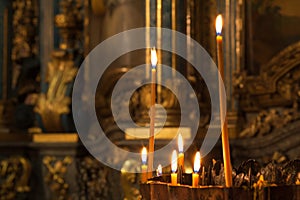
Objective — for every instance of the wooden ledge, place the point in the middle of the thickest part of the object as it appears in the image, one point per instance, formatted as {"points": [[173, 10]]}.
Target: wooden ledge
{"points": [[55, 138]]}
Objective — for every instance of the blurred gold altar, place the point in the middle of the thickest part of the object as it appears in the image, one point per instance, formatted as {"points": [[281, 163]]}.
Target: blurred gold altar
{"points": [[44, 43]]}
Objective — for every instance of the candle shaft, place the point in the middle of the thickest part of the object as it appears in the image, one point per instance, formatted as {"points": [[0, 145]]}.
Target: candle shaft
{"points": [[224, 129], [195, 179], [174, 13], [147, 22], [181, 161], [159, 44], [144, 174], [173, 179], [152, 123]]}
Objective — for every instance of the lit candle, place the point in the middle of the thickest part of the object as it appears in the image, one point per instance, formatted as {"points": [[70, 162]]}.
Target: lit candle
{"points": [[225, 141], [144, 165], [197, 162], [180, 152], [174, 168], [159, 170], [152, 111]]}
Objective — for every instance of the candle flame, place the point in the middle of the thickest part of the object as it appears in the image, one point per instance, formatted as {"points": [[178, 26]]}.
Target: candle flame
{"points": [[153, 58], [219, 24], [180, 143], [159, 170], [174, 161], [197, 162], [144, 155]]}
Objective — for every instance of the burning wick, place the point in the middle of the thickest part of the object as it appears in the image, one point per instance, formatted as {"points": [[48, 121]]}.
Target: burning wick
{"points": [[174, 168], [197, 162], [159, 170], [181, 154], [144, 165]]}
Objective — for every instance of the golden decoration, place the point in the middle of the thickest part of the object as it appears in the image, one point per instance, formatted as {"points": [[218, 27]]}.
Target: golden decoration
{"points": [[55, 176], [14, 174], [54, 103]]}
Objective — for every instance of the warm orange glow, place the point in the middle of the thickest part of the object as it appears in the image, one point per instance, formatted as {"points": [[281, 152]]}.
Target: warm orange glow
{"points": [[144, 155], [188, 170], [153, 57], [174, 161], [197, 162], [219, 24], [159, 170], [180, 143]]}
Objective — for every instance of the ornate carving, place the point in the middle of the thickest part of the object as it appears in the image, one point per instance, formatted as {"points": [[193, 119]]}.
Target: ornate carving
{"points": [[55, 176], [277, 84], [20, 83], [25, 32], [62, 69], [267, 121], [52, 105], [14, 177], [275, 93], [70, 23], [130, 180], [93, 181], [285, 140]]}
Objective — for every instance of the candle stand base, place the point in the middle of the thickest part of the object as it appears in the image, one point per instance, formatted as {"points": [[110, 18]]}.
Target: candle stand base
{"points": [[166, 191]]}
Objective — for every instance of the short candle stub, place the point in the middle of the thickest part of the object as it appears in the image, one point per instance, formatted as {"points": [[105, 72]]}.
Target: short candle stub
{"points": [[174, 168], [144, 165], [195, 180], [197, 163]]}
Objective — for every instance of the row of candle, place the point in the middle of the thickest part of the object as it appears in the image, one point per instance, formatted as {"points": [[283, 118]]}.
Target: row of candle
{"points": [[177, 164], [224, 129]]}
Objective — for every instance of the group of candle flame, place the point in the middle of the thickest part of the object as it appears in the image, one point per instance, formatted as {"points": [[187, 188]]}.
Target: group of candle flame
{"points": [[177, 162]]}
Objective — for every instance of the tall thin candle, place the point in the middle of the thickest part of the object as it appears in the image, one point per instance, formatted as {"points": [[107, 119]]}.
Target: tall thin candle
{"points": [[174, 13], [147, 24], [225, 140], [159, 45], [152, 111]]}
